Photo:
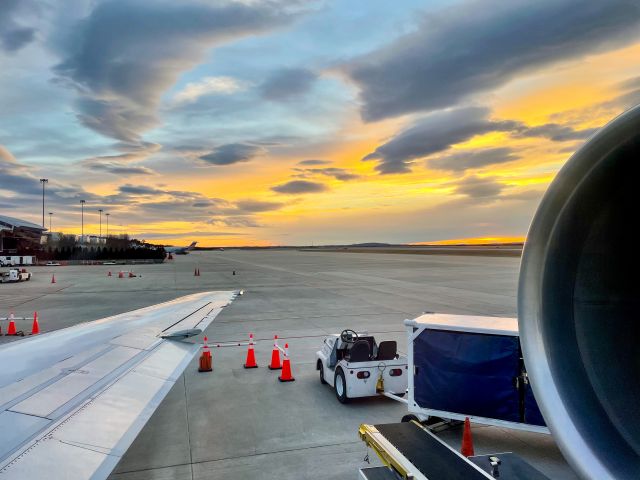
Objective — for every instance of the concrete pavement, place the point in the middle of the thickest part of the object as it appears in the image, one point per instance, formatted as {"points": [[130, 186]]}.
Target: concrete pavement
{"points": [[237, 423]]}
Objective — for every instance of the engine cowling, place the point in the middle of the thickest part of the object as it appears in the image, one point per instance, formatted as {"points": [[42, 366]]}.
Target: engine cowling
{"points": [[579, 304]]}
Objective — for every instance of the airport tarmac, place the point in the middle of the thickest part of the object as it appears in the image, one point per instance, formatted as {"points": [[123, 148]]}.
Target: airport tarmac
{"points": [[244, 424]]}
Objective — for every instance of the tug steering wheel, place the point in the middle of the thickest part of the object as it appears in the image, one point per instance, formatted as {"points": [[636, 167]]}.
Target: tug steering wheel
{"points": [[349, 336]]}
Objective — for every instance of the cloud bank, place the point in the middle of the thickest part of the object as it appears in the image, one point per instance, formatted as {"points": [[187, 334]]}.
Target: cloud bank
{"points": [[480, 45], [125, 55]]}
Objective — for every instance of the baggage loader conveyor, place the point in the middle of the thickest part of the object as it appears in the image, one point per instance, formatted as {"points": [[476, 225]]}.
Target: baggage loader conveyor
{"points": [[410, 451]]}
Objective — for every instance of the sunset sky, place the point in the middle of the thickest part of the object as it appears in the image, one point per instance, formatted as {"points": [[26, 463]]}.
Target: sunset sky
{"points": [[299, 122]]}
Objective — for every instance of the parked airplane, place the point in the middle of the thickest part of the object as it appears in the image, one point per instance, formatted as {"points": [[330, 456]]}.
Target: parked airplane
{"points": [[180, 250], [76, 398]]}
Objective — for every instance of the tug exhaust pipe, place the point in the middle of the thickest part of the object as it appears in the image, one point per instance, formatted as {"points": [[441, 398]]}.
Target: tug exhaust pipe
{"points": [[579, 304]]}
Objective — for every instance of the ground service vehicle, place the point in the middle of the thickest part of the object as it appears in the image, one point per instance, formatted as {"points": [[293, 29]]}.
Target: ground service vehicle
{"points": [[356, 366], [15, 275]]}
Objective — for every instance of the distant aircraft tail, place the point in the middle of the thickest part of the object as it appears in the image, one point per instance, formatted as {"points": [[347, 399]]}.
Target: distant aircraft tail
{"points": [[193, 244]]}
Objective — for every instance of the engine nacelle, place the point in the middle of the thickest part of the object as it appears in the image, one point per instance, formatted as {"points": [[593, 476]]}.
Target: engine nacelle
{"points": [[579, 304]]}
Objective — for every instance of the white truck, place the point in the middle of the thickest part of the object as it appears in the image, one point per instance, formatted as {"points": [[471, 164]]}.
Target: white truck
{"points": [[356, 366], [15, 275]]}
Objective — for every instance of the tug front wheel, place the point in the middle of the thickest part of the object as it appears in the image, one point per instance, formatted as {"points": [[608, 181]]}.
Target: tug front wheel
{"points": [[321, 368], [340, 386]]}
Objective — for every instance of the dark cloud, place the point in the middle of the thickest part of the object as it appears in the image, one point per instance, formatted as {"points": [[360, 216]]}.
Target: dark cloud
{"points": [[26, 190], [313, 162], [232, 153], [198, 233], [124, 55], [466, 160], [254, 206], [434, 133], [16, 177], [239, 221], [204, 204], [124, 163], [140, 190], [632, 83], [13, 36], [114, 118], [557, 133], [437, 131], [477, 46], [337, 173], [299, 186], [115, 168], [286, 83], [479, 188]]}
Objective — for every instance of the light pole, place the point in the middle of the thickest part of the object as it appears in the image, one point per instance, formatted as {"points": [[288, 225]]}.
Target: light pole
{"points": [[43, 181], [82, 202], [50, 215], [107, 214], [100, 210]]}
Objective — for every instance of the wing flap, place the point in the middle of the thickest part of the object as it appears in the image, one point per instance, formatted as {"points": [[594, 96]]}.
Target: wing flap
{"points": [[17, 428], [54, 460], [168, 361], [45, 402], [127, 405]]}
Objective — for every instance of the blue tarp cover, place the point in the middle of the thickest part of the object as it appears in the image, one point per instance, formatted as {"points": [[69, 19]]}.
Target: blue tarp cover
{"points": [[532, 414], [467, 373]]}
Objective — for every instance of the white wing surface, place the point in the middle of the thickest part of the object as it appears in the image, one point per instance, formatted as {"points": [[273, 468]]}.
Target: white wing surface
{"points": [[72, 401]]}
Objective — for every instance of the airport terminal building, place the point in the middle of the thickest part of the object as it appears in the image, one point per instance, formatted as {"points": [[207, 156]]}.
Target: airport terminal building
{"points": [[19, 239]]}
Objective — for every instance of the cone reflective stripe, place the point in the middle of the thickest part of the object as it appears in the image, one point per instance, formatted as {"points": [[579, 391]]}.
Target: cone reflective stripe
{"points": [[205, 348], [53, 278], [275, 355], [11, 329], [35, 328], [467, 440], [286, 376], [251, 355], [206, 361]]}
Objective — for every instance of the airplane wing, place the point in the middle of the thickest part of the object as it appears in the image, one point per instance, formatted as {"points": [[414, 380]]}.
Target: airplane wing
{"points": [[72, 401]]}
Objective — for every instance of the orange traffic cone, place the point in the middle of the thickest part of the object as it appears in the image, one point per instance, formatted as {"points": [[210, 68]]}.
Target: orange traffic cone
{"points": [[121, 274], [109, 274], [251, 355], [53, 278], [131, 275], [275, 355], [286, 376], [35, 328], [11, 330], [206, 361], [467, 441]]}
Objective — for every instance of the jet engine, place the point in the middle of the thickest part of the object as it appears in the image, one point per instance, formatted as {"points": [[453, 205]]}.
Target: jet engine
{"points": [[579, 304]]}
